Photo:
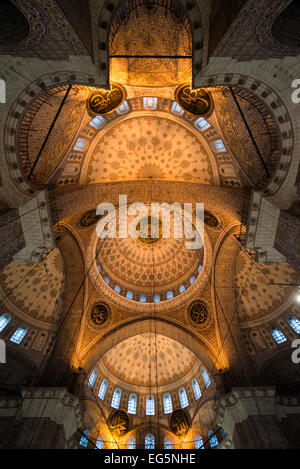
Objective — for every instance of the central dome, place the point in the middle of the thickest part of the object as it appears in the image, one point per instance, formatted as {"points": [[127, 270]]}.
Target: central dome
{"points": [[149, 360], [149, 267]]}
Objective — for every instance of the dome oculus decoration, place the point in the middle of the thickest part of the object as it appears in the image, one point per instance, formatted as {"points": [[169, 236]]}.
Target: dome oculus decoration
{"points": [[118, 423], [180, 422], [196, 102], [99, 313], [198, 312], [150, 230], [103, 102]]}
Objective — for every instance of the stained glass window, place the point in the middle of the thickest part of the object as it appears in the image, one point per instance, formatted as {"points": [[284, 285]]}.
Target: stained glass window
{"points": [[99, 443], [295, 324], [115, 402], [81, 144], [149, 441], [132, 404], [196, 389], [150, 405], [93, 377], [103, 389], [168, 443], [213, 440], [4, 320], [219, 146], [167, 401], [278, 336], [131, 443], [84, 439], [198, 442], [150, 104], [184, 402], [202, 124], [19, 335], [98, 122], [205, 377], [176, 109]]}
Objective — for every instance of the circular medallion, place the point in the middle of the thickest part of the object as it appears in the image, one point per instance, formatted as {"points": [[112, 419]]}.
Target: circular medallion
{"points": [[118, 422], [102, 101], [210, 219], [89, 218], [197, 102], [198, 312], [99, 313], [150, 230], [179, 422]]}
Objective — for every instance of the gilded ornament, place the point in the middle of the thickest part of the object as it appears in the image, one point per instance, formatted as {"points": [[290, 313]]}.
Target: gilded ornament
{"points": [[179, 422], [198, 312], [103, 102], [196, 102], [118, 423], [99, 313]]}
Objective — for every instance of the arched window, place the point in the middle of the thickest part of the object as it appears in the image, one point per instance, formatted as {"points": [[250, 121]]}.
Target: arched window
{"points": [[98, 122], [184, 402], [176, 109], [131, 443], [219, 146], [168, 443], [99, 443], [168, 406], [132, 404], [192, 279], [107, 280], [93, 377], [115, 402], [150, 405], [150, 104], [181, 288], [149, 441], [123, 109], [196, 389], [205, 377], [129, 295], [117, 289], [278, 336], [19, 335], [198, 442], [199, 268], [213, 440], [4, 320], [84, 439], [103, 389], [170, 295], [81, 144], [294, 323], [143, 298], [156, 298], [202, 124]]}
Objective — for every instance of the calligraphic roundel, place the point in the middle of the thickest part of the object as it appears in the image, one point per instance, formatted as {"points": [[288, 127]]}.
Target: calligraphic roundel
{"points": [[118, 422]]}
